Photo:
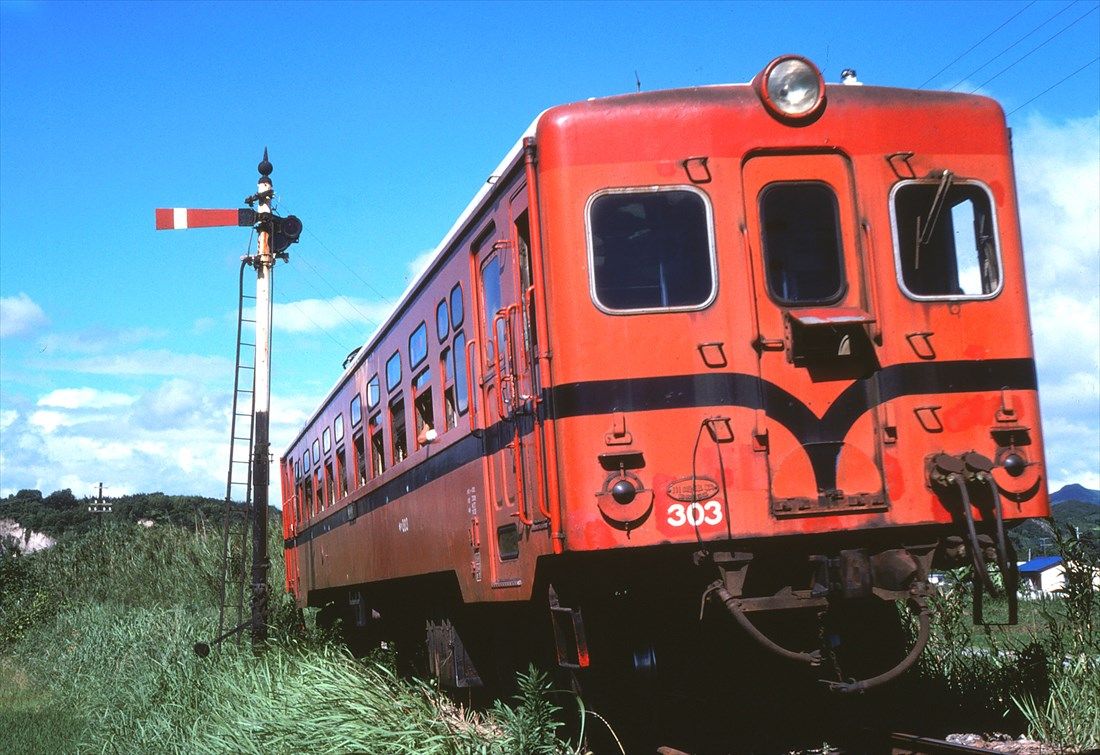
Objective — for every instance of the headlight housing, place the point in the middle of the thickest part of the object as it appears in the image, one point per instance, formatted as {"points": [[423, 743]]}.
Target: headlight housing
{"points": [[791, 88]]}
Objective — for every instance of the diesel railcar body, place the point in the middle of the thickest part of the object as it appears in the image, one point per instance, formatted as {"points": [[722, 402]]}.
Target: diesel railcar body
{"points": [[764, 343]]}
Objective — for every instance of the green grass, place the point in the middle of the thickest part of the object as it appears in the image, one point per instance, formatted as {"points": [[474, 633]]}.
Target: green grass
{"points": [[99, 659], [1041, 676]]}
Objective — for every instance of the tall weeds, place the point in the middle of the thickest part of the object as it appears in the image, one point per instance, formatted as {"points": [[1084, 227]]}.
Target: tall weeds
{"points": [[113, 649], [1043, 675]]}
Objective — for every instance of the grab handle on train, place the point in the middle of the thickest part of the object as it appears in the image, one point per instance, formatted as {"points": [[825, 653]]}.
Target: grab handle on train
{"points": [[500, 317], [471, 388]]}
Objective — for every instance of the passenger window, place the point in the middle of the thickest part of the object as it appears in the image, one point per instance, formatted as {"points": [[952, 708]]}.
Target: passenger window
{"points": [[316, 454], [490, 281], [360, 460], [651, 250], [341, 474], [802, 249], [418, 346], [441, 320], [523, 235], [946, 241], [373, 393], [397, 429], [319, 503], [356, 410], [308, 503], [377, 446], [456, 306], [462, 396], [305, 462], [326, 440], [393, 371], [450, 408], [422, 405]]}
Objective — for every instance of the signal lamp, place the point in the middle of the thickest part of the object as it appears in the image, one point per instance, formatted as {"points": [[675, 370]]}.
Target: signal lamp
{"points": [[791, 88]]}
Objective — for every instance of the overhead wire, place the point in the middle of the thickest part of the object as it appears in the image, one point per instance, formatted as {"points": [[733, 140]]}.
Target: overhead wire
{"points": [[294, 305], [1052, 86], [1037, 48], [1018, 41], [341, 297], [971, 48], [349, 268]]}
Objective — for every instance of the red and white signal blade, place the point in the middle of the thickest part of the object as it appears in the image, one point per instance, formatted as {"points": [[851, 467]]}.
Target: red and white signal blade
{"points": [[178, 218]]}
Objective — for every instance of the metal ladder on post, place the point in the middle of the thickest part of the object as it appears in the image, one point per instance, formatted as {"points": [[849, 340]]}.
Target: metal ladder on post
{"points": [[238, 486]]}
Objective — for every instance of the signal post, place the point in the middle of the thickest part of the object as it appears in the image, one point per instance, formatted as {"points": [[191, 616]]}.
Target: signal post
{"points": [[274, 234]]}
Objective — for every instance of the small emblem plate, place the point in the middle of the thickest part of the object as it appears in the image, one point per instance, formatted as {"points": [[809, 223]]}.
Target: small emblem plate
{"points": [[689, 490]]}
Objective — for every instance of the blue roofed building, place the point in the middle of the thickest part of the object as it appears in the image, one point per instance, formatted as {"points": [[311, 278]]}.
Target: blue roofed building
{"points": [[1042, 575]]}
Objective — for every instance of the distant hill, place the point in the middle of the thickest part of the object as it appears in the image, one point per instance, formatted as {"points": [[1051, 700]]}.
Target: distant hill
{"points": [[1070, 516], [61, 513], [1076, 492]]}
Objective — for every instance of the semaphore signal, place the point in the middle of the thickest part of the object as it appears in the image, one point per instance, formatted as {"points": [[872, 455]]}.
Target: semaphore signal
{"points": [[274, 235], [180, 218]]}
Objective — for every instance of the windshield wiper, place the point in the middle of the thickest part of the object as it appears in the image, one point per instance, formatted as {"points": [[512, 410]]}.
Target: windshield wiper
{"points": [[924, 235]]}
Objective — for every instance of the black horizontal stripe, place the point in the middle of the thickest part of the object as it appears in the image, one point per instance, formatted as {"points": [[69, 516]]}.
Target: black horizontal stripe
{"points": [[599, 397]]}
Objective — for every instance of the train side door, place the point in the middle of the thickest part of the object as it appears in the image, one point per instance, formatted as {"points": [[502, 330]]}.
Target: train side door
{"points": [[814, 328], [502, 385]]}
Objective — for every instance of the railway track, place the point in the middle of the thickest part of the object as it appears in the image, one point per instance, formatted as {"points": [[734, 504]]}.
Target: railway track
{"points": [[874, 743]]}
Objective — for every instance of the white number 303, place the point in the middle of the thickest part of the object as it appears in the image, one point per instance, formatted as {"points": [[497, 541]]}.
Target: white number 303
{"points": [[694, 514]]}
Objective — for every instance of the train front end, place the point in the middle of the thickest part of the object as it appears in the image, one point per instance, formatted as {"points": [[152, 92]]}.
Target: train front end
{"points": [[792, 362]]}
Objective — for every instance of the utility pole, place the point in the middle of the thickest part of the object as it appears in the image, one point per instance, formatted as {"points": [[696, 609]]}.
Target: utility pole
{"points": [[99, 507], [274, 234]]}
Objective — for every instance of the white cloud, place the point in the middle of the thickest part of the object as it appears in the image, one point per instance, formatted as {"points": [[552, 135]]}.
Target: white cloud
{"points": [[7, 417], [419, 264], [145, 362], [19, 315], [97, 340], [48, 421], [84, 398], [1058, 178], [305, 315], [173, 437]]}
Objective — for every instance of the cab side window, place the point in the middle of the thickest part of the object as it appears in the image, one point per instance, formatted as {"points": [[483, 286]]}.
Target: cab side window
{"points": [[651, 250], [946, 241]]}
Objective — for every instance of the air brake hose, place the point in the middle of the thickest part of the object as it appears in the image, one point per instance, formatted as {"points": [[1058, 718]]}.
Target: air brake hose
{"points": [[924, 631], [733, 605], [976, 558]]}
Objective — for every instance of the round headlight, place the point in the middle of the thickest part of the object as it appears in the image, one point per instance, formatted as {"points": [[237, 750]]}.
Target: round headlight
{"points": [[792, 87]]}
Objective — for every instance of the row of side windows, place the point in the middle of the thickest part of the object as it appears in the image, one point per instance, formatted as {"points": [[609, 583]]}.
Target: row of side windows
{"points": [[329, 479], [653, 249]]}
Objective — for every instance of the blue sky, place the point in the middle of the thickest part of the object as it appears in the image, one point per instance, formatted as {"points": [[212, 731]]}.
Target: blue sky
{"points": [[383, 119]]}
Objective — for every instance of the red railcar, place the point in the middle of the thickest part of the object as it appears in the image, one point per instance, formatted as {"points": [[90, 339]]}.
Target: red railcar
{"points": [[766, 343]]}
